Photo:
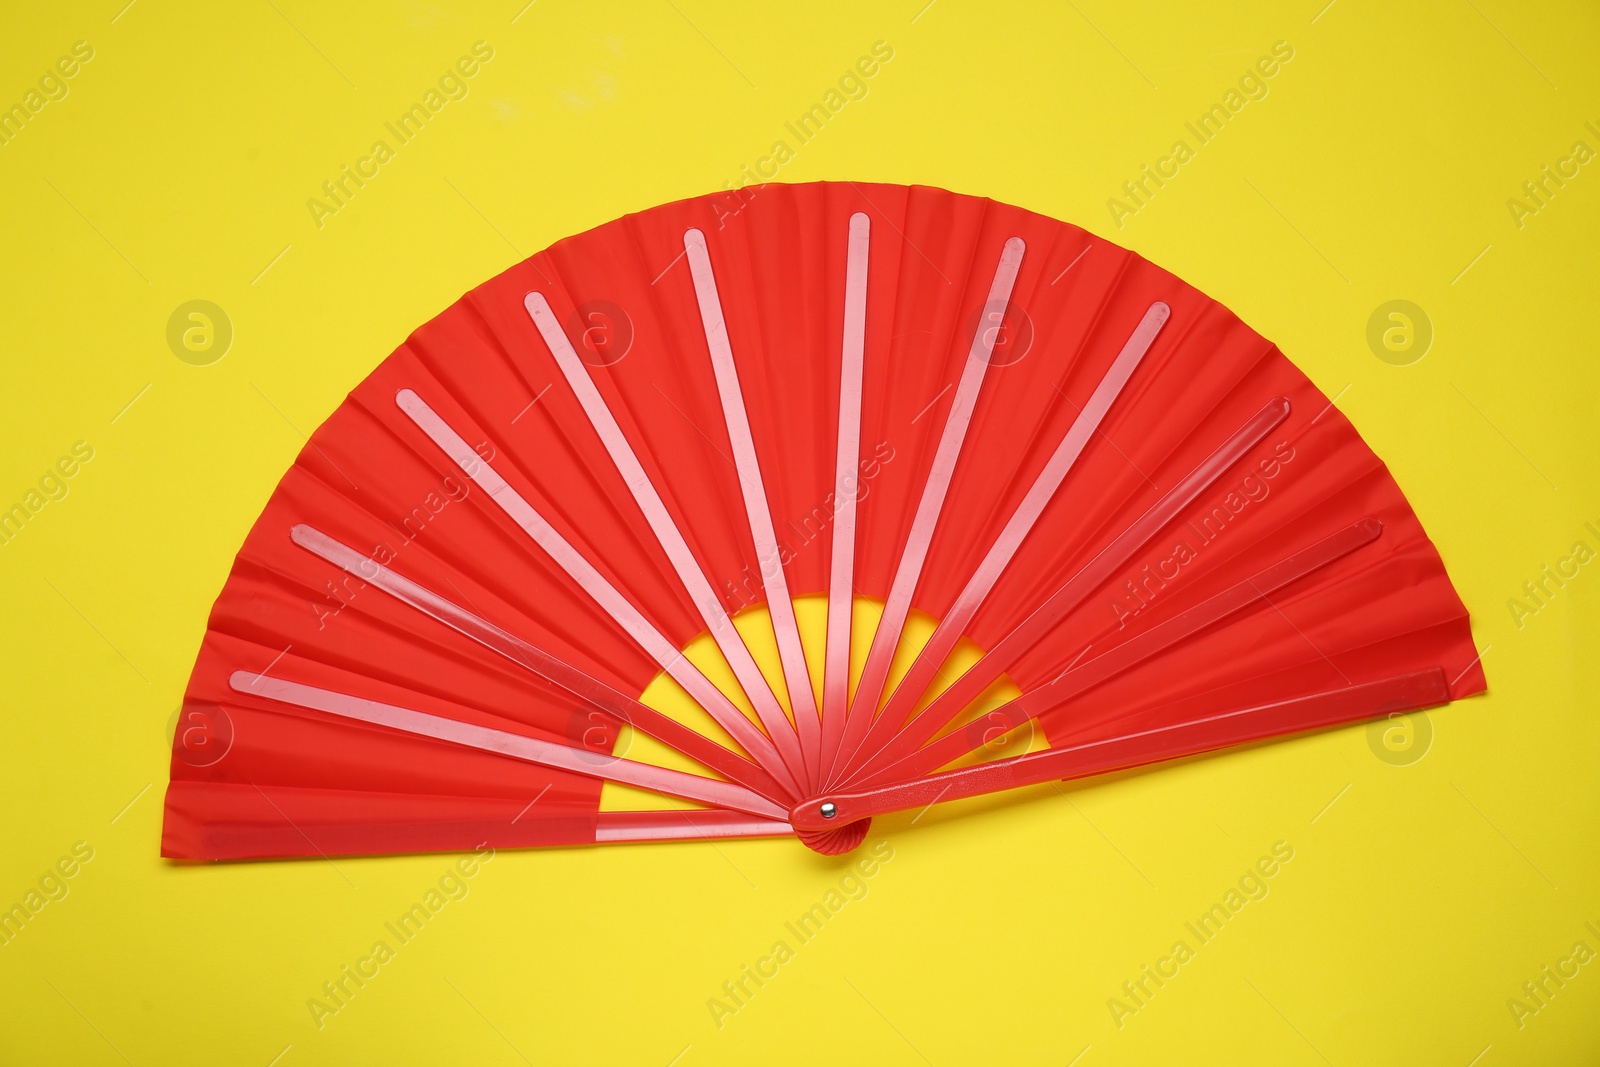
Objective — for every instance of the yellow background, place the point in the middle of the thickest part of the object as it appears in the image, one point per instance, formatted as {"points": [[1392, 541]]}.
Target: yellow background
{"points": [[1377, 168]]}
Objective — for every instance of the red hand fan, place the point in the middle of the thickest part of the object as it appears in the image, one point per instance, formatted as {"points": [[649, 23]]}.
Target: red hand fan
{"points": [[1107, 493]]}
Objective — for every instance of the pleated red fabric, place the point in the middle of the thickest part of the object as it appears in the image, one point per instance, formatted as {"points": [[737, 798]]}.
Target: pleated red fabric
{"points": [[1146, 517]]}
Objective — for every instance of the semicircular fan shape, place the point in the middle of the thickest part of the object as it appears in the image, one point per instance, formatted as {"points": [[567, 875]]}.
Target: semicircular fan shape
{"points": [[1109, 494]]}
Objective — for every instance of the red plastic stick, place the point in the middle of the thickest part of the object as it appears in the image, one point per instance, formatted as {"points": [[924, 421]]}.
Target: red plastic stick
{"points": [[846, 487]]}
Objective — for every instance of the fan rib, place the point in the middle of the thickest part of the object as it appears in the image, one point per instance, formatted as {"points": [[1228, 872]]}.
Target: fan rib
{"points": [[1145, 646], [605, 595], [1017, 527], [666, 530], [846, 485], [996, 660], [532, 658], [623, 826], [1406, 692], [517, 746], [758, 512], [886, 639]]}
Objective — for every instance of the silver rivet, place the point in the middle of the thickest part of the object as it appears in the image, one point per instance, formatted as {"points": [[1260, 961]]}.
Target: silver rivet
{"points": [[828, 810]]}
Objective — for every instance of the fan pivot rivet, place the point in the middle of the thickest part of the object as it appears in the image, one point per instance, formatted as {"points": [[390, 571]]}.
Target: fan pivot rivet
{"points": [[828, 810]]}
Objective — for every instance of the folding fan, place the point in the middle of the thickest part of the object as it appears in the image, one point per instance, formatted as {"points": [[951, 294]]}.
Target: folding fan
{"points": [[851, 484]]}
